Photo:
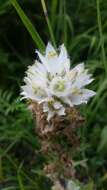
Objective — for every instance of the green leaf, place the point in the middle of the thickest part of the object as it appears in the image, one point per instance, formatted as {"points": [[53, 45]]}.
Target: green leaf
{"points": [[89, 186], [4, 5], [31, 29], [103, 142]]}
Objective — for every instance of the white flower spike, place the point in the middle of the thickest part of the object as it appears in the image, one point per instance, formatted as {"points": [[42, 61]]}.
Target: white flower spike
{"points": [[53, 84]]}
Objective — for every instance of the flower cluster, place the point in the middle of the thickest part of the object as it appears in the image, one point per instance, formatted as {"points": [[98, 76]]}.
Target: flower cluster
{"points": [[71, 185], [51, 82]]}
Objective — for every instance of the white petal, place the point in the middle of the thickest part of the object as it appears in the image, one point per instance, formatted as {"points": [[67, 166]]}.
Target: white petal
{"points": [[77, 100], [41, 57], [61, 111], [88, 93], [55, 66], [82, 96], [43, 60], [50, 51], [79, 68], [45, 107], [82, 80], [57, 105], [52, 59], [50, 115], [67, 100], [40, 69], [63, 58], [27, 92]]}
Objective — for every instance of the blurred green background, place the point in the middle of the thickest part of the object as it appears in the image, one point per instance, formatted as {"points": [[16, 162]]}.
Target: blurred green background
{"points": [[82, 26]]}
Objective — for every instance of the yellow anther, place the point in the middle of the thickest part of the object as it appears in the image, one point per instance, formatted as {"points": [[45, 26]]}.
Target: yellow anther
{"points": [[51, 54]]}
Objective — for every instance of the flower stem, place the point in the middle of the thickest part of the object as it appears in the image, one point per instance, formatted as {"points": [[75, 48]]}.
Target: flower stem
{"points": [[48, 22]]}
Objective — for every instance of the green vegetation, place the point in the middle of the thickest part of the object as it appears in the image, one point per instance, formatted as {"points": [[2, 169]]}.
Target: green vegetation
{"points": [[82, 26]]}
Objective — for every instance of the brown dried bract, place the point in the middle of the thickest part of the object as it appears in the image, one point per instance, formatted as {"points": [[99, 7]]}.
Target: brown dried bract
{"points": [[52, 134], [70, 121]]}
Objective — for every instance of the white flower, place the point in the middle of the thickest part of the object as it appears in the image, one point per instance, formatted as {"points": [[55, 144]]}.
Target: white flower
{"points": [[50, 81], [72, 186], [53, 107], [60, 86]]}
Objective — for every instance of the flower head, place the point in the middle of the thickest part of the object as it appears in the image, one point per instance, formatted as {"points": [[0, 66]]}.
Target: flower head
{"points": [[51, 82], [71, 185]]}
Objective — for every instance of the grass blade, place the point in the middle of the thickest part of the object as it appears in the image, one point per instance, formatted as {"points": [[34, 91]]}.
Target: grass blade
{"points": [[19, 177], [1, 169], [101, 35], [29, 26], [65, 23], [54, 6]]}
